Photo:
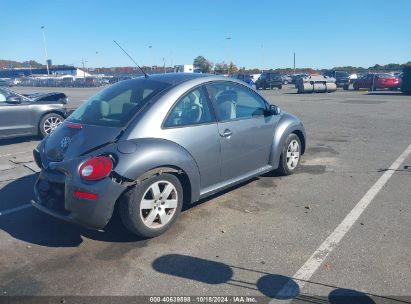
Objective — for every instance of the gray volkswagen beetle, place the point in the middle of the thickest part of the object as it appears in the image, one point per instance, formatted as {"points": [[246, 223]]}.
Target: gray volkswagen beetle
{"points": [[150, 144]]}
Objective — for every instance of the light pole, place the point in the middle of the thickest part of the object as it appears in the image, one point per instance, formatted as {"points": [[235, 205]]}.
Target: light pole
{"points": [[45, 50], [97, 68], [262, 57], [84, 67], [294, 63], [151, 57], [84, 71], [228, 48]]}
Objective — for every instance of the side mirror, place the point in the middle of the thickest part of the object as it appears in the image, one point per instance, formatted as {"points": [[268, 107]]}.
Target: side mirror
{"points": [[275, 110], [13, 100]]}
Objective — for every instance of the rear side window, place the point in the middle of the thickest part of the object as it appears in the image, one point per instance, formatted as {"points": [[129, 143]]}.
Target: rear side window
{"points": [[192, 109], [117, 104]]}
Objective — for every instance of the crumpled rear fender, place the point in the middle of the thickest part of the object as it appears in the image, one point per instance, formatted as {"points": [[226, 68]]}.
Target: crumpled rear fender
{"points": [[136, 157]]}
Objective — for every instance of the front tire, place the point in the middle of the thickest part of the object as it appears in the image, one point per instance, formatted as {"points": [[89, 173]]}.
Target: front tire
{"points": [[290, 155], [49, 123], [153, 206]]}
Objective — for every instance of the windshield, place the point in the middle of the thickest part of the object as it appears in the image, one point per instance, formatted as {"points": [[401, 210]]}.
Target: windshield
{"points": [[341, 74], [117, 104]]}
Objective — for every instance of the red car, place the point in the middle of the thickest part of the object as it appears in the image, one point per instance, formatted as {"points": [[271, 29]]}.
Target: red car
{"points": [[377, 81]]}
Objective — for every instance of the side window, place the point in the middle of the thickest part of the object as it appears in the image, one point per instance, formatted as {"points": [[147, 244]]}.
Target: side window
{"points": [[236, 102], [191, 109]]}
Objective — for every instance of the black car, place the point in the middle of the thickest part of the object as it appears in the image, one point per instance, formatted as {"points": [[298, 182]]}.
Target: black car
{"points": [[31, 114], [295, 77], [342, 78], [269, 80], [244, 77]]}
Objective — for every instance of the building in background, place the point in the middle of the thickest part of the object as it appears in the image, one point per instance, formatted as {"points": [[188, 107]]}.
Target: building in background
{"points": [[184, 68], [57, 71]]}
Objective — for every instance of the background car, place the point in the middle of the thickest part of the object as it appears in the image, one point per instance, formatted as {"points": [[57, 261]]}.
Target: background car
{"points": [[286, 79], [269, 80], [295, 77], [148, 145], [342, 78], [244, 77], [377, 81], [30, 114], [5, 83]]}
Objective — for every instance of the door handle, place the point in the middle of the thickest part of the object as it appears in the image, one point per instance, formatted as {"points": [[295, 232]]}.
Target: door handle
{"points": [[227, 133]]}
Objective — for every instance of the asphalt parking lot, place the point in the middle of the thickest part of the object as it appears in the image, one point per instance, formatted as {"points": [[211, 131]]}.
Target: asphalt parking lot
{"points": [[249, 240]]}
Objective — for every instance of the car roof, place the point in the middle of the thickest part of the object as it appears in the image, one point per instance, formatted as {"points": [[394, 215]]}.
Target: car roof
{"points": [[174, 78]]}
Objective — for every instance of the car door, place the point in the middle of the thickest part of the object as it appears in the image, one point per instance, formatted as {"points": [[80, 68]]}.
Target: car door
{"points": [[191, 123], [246, 133], [15, 116]]}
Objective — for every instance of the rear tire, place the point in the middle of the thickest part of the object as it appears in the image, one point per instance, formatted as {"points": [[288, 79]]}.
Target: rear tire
{"points": [[153, 206], [290, 155], [280, 87], [49, 123]]}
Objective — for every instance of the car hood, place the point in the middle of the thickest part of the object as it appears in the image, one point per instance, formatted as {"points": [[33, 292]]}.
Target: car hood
{"points": [[71, 140], [36, 97]]}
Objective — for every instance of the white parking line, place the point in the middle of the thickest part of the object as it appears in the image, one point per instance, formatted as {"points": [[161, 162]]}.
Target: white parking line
{"points": [[12, 210], [318, 257]]}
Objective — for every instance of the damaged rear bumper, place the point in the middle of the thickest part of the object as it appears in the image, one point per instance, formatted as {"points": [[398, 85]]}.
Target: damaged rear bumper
{"points": [[54, 195]]}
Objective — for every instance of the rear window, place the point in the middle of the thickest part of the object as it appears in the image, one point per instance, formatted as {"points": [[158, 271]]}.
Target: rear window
{"points": [[117, 104], [385, 76], [342, 74]]}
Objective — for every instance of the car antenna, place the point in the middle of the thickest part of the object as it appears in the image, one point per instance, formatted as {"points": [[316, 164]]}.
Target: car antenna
{"points": [[145, 74]]}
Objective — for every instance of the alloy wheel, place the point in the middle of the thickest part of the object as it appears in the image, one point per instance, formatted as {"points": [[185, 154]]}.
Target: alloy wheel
{"points": [[293, 154], [158, 204], [51, 123]]}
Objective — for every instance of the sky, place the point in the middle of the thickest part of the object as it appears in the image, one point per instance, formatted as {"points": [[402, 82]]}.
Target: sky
{"points": [[263, 33]]}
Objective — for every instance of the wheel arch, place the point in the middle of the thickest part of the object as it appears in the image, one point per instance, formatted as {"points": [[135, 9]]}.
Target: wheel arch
{"points": [[157, 156], [174, 170], [287, 125]]}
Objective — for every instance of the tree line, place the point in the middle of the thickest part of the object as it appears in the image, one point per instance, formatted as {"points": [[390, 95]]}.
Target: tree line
{"points": [[206, 66]]}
